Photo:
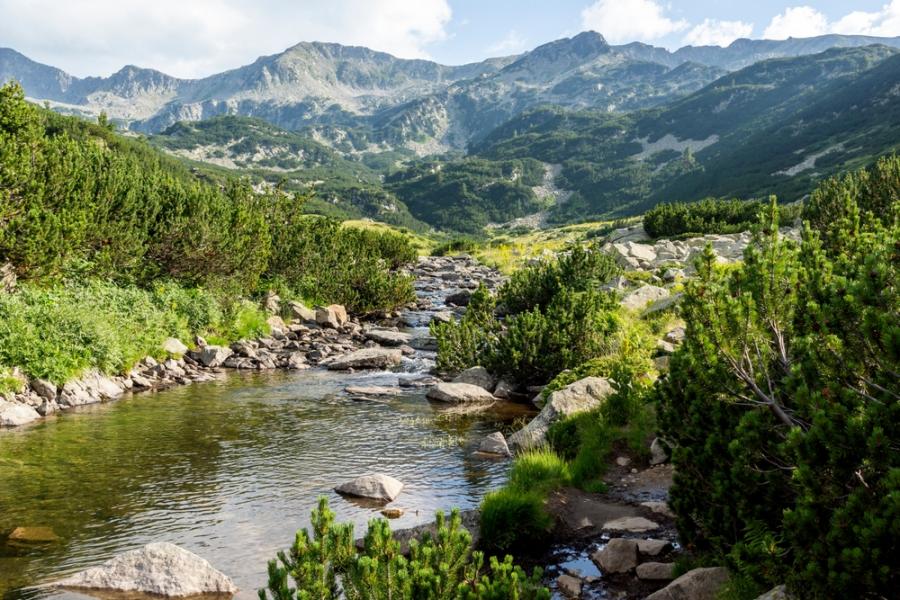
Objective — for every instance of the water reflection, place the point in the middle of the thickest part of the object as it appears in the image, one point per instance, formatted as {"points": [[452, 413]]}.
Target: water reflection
{"points": [[228, 469]]}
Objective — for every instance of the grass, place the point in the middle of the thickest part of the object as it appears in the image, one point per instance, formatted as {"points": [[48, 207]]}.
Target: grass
{"points": [[513, 520], [423, 244], [9, 381], [540, 469]]}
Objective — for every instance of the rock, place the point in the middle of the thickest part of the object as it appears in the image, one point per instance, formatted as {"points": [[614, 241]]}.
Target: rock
{"points": [[47, 407], [443, 316], [477, 376], [7, 278], [658, 453], [386, 337], [642, 252], [213, 356], [661, 364], [141, 382], [635, 233], [460, 298], [639, 298], [376, 487], [631, 524], [665, 347], [373, 390], [663, 303], [618, 556], [301, 312], [160, 568], [392, 513], [655, 571], [174, 347], [333, 316], [581, 396], [675, 336], [45, 389], [459, 393], [671, 275], [199, 341], [660, 508], [35, 535], [495, 443], [569, 586], [74, 393], [698, 584], [14, 414], [277, 326], [623, 461], [272, 302], [367, 358], [776, 593], [652, 547]]}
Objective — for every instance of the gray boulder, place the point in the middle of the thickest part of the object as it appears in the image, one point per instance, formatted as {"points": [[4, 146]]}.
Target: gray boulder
{"points": [[174, 346], [655, 571], [581, 396], [618, 556], [386, 337], [160, 568], [569, 586], [333, 316], [658, 452], [301, 312], [45, 389], [459, 393], [14, 414], [639, 298], [367, 358], [213, 356], [495, 443], [477, 376], [776, 593], [698, 584], [631, 525], [375, 487], [651, 547]]}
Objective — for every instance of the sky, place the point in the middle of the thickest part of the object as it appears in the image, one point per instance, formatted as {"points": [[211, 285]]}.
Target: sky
{"points": [[195, 38]]}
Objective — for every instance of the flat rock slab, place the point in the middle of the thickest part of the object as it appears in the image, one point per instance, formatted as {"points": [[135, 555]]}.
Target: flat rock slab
{"points": [[160, 568], [655, 571], [35, 535], [642, 296], [373, 390], [652, 547], [631, 524], [374, 487], [367, 358], [459, 393], [387, 337]]}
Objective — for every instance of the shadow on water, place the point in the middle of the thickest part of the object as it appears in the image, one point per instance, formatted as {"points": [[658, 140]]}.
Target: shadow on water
{"points": [[228, 469]]}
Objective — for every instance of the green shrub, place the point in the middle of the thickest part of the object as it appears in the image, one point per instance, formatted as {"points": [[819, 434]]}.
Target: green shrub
{"points": [[513, 519], [782, 404], [455, 246], [469, 341], [442, 566], [537, 285], [712, 215], [539, 469]]}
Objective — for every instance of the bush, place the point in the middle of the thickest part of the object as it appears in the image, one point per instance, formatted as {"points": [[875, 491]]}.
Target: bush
{"points": [[708, 216], [455, 246], [513, 520], [782, 404], [469, 341], [438, 567], [537, 285]]}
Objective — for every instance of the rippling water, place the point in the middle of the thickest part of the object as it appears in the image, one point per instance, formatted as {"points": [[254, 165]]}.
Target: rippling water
{"points": [[227, 469]]}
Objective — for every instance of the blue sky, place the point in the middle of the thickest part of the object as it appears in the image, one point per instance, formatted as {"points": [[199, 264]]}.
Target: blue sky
{"points": [[193, 38]]}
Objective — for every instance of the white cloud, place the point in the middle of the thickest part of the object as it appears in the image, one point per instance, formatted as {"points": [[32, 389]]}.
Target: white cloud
{"points": [[198, 37], [805, 21], [512, 43], [712, 32], [622, 21]]}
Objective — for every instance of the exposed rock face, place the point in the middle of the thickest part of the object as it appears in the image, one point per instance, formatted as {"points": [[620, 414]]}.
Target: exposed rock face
{"points": [[213, 356], [375, 487], [495, 443], [367, 358], [698, 584], [174, 346], [618, 556], [631, 524], [477, 376], [577, 397], [159, 568], [459, 393]]}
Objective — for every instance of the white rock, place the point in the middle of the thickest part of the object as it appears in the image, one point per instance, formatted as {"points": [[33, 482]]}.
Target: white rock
{"points": [[159, 568], [459, 393], [376, 487], [14, 414], [639, 298], [301, 312], [581, 396]]}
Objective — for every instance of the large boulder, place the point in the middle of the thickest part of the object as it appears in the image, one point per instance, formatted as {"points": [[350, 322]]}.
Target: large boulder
{"points": [[333, 316], [367, 358], [374, 487], [160, 568], [213, 356], [655, 571], [583, 395], [618, 556], [477, 376], [301, 312], [14, 414], [639, 298], [698, 584], [388, 337], [459, 393]]}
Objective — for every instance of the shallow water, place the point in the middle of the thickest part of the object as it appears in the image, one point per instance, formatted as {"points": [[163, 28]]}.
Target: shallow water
{"points": [[227, 469]]}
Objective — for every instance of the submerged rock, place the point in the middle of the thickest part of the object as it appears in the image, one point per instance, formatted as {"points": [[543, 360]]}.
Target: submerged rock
{"points": [[159, 568], [460, 393], [36, 535], [581, 396], [375, 487]]}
